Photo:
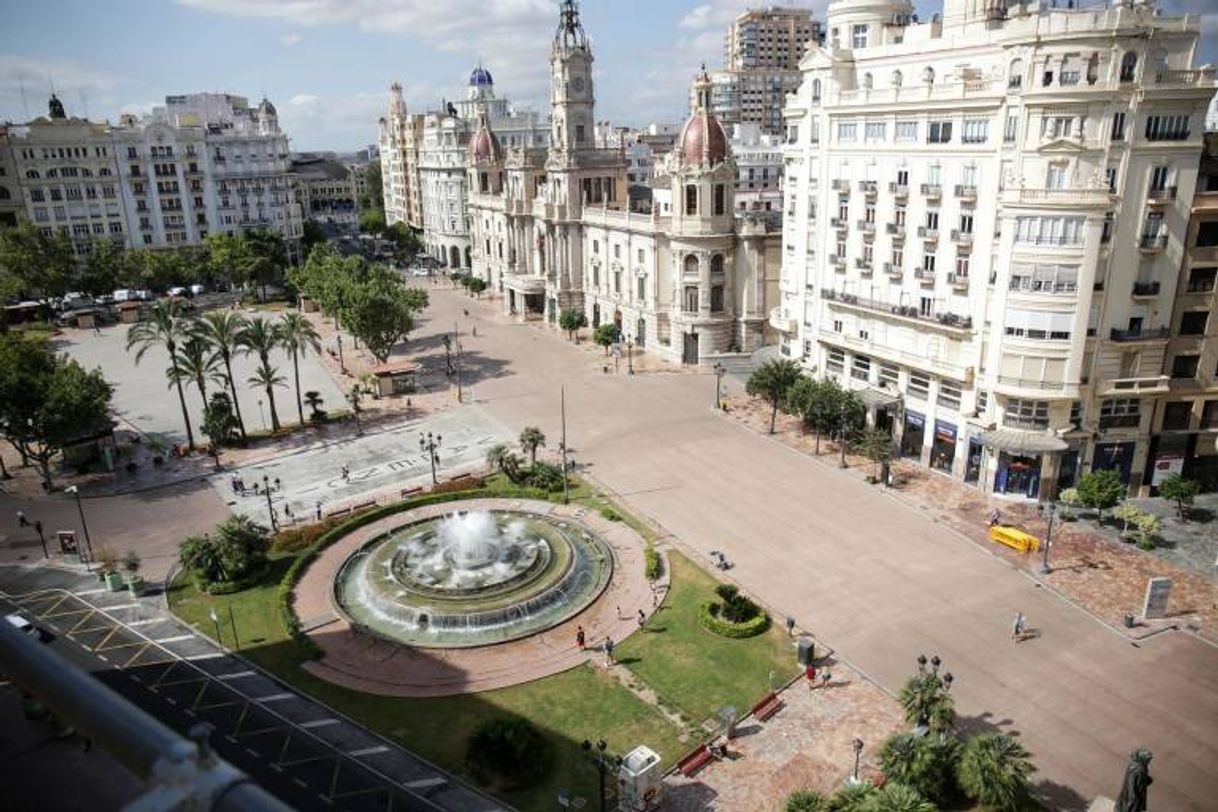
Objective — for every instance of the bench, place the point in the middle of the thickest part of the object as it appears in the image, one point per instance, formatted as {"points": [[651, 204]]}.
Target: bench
{"points": [[769, 705], [694, 761], [409, 492], [363, 506], [340, 512]]}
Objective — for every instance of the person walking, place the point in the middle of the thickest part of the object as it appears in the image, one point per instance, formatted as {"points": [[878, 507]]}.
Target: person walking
{"points": [[825, 676], [810, 675], [608, 651], [318, 510], [1017, 628], [642, 618], [579, 637], [995, 517], [21, 520]]}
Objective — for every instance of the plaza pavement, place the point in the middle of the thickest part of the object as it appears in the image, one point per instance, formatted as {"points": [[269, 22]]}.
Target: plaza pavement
{"points": [[876, 579]]}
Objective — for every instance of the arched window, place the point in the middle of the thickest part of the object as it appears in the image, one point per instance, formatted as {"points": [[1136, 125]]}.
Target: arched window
{"points": [[52, 173], [928, 76], [897, 78], [720, 198], [691, 199], [1093, 68], [691, 265], [867, 81], [1129, 66], [1015, 74], [717, 264], [815, 91]]}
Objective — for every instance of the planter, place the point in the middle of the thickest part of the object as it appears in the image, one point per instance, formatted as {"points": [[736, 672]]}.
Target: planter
{"points": [[135, 583], [114, 581]]}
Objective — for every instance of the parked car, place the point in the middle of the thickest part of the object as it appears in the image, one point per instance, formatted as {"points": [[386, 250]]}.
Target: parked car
{"points": [[196, 289], [178, 291]]}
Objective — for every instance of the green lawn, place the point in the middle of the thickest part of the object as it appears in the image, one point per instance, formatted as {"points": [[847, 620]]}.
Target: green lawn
{"points": [[696, 671]]}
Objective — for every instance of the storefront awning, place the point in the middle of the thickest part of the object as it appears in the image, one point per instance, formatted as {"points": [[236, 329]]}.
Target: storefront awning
{"points": [[878, 398], [1014, 441]]}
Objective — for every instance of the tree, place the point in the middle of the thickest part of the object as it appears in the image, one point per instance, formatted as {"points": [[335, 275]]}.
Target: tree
{"points": [[219, 423], [477, 286], [380, 316], [805, 800], [33, 264], [226, 256], [196, 364], [504, 460], [27, 364], [804, 399], [571, 321], [265, 257], [313, 235], [771, 381], [1100, 490], [314, 399], [105, 269], [509, 752], [530, 439], [605, 336], [851, 797], [896, 797], [165, 328], [877, 447], [297, 336], [851, 416], [927, 701], [1127, 513], [405, 240], [1179, 490], [372, 221], [221, 330], [925, 763], [994, 770], [259, 337], [236, 550], [76, 405], [374, 199]]}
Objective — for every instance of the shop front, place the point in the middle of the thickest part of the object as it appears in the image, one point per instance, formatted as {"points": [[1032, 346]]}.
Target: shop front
{"points": [[943, 447], [913, 435], [1022, 458], [972, 466], [1018, 475], [1114, 457]]}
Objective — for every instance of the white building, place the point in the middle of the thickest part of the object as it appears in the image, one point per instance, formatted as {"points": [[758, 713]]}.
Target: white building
{"points": [[984, 220], [759, 166], [552, 230], [401, 135]]}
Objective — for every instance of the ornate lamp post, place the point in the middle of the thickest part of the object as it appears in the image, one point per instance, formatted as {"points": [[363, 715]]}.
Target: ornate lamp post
{"points": [[857, 744], [601, 763], [72, 489], [720, 370], [268, 488], [629, 355], [341, 364], [1049, 512], [430, 443]]}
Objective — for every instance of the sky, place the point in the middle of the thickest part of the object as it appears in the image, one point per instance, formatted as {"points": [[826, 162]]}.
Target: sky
{"points": [[326, 64]]}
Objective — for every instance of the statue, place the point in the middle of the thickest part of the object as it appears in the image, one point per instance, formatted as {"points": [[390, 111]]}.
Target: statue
{"points": [[56, 107], [1137, 781]]}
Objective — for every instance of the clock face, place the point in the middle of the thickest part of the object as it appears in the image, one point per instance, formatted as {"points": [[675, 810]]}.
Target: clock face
{"points": [[578, 84]]}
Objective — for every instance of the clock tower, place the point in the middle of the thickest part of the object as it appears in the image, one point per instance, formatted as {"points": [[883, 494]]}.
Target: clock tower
{"points": [[571, 99]]}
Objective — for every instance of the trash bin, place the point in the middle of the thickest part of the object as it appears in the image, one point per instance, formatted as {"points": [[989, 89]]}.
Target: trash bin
{"points": [[1128, 620], [807, 651]]}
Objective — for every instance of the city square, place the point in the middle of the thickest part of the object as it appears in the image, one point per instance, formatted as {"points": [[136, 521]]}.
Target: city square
{"points": [[519, 460]]}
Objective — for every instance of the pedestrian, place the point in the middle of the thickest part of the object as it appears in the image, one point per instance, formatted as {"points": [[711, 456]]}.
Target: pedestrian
{"points": [[346, 473], [995, 517], [319, 510], [241, 486], [287, 511], [642, 618], [608, 651], [1017, 627], [825, 676], [96, 328], [619, 613], [579, 637], [810, 675], [475, 332], [21, 520]]}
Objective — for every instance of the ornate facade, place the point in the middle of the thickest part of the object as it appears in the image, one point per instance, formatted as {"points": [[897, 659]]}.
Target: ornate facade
{"points": [[552, 229]]}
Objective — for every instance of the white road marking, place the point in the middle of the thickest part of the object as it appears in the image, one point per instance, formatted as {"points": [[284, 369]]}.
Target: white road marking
{"points": [[275, 697], [87, 592], [176, 639], [368, 751], [319, 723], [145, 621], [211, 655], [236, 675]]}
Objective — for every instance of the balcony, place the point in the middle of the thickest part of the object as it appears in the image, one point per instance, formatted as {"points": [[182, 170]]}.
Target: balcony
{"points": [[1125, 336], [839, 223], [781, 322], [932, 190], [1182, 77], [896, 230], [1200, 286], [863, 265], [1153, 242], [948, 320], [924, 275], [1025, 423], [899, 190], [967, 193], [1038, 384], [893, 272], [1028, 285], [962, 237], [1160, 196], [1145, 289], [868, 187], [959, 281], [928, 233], [1149, 385], [1058, 197], [866, 226], [838, 263], [841, 186]]}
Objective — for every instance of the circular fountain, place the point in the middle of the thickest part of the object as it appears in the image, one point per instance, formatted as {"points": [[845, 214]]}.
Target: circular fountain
{"points": [[472, 578]]}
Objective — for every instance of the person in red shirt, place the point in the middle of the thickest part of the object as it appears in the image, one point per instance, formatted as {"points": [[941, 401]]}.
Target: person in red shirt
{"points": [[810, 673]]}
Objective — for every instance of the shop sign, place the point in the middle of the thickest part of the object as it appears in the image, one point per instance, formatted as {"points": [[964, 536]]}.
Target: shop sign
{"points": [[1165, 466]]}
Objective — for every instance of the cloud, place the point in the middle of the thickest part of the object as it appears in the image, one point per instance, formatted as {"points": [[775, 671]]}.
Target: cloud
{"points": [[344, 122], [303, 100], [83, 89], [289, 39]]}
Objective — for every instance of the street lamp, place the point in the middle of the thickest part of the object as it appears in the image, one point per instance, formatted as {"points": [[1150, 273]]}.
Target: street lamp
{"points": [[72, 489], [1049, 512], [597, 759], [262, 414], [629, 355], [341, 364], [720, 370], [430, 443], [270, 509], [857, 744], [41, 538]]}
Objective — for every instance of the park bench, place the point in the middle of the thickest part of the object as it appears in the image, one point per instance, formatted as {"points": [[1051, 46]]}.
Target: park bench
{"points": [[1014, 538], [345, 511], [695, 761], [409, 492], [769, 705], [363, 506]]}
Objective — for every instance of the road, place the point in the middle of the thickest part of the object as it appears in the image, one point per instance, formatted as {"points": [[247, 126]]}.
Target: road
{"points": [[878, 580]]}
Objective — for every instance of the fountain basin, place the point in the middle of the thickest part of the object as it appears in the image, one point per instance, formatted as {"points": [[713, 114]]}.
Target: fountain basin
{"points": [[472, 578]]}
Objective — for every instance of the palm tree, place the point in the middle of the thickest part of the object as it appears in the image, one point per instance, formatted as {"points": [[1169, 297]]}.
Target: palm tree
{"points": [[897, 797], [927, 701], [259, 337], [530, 438], [168, 329], [994, 770], [267, 377], [195, 364], [221, 329], [297, 336], [925, 763]]}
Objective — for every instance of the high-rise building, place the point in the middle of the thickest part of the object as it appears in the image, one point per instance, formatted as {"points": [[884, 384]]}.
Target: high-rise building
{"points": [[759, 168], [400, 137], [761, 65], [552, 228], [984, 217], [203, 163]]}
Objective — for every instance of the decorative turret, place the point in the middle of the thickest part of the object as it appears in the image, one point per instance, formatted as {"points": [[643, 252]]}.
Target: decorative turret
{"points": [[484, 147], [703, 142], [571, 98], [268, 118], [397, 105]]}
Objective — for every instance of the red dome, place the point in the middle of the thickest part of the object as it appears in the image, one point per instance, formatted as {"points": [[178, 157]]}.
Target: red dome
{"points": [[703, 140], [484, 147]]}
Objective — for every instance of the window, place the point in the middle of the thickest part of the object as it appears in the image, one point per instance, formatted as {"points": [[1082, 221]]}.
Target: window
{"points": [[888, 375], [837, 325], [691, 199], [1011, 130], [1193, 322], [1118, 126], [1058, 126], [861, 368], [1049, 230], [962, 266], [691, 298], [1185, 366], [1207, 233], [617, 250], [1129, 65], [717, 299], [37, 196], [847, 131], [1027, 413], [940, 132], [983, 402], [843, 211], [875, 132], [949, 395], [966, 224], [1209, 415], [898, 215], [1158, 178], [975, 131], [858, 36], [1176, 415], [1201, 280], [898, 258], [579, 133], [642, 291], [835, 360], [1056, 177], [932, 220], [907, 131], [928, 262], [869, 213], [815, 91], [1167, 128], [1015, 74], [1111, 177], [919, 386]]}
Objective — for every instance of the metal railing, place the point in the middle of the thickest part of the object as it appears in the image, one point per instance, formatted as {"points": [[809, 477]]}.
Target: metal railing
{"points": [[1139, 335], [1146, 288]]}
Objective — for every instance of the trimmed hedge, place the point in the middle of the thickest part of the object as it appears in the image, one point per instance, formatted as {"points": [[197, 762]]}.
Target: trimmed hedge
{"points": [[708, 616], [653, 565]]}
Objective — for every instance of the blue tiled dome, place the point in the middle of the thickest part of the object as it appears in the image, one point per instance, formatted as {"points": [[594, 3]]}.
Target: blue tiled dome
{"points": [[481, 77]]}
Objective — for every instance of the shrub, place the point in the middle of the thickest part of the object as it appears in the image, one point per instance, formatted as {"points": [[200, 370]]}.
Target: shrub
{"points": [[1147, 527], [235, 553], [925, 763], [736, 608], [708, 616], [1179, 490], [1069, 496], [611, 514], [851, 798], [545, 476], [295, 539], [1067, 515], [994, 771], [1100, 490], [805, 800], [652, 564], [896, 797], [1128, 514], [509, 753]]}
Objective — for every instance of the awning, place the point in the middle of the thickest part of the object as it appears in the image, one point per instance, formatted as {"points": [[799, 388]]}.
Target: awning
{"points": [[878, 398], [1014, 441]]}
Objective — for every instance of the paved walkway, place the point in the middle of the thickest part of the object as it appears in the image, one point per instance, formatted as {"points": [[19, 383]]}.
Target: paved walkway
{"points": [[369, 664]]}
